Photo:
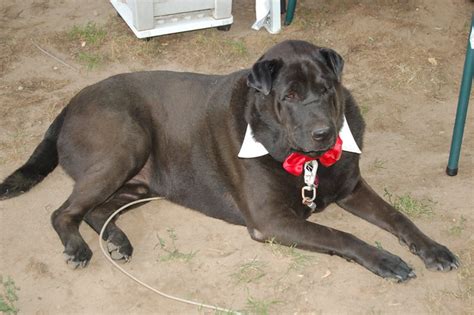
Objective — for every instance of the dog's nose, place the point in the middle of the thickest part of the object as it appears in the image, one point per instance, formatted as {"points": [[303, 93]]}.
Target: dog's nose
{"points": [[320, 134]]}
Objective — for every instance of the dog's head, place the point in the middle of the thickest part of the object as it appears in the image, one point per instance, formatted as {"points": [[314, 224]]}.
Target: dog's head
{"points": [[298, 99]]}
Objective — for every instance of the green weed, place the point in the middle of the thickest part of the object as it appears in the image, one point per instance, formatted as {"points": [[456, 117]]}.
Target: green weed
{"points": [[89, 33], [91, 60], [259, 307], [218, 312], [224, 47], [378, 245], [250, 272], [458, 228], [298, 259], [237, 47], [8, 296], [379, 164], [409, 205], [172, 252], [364, 109]]}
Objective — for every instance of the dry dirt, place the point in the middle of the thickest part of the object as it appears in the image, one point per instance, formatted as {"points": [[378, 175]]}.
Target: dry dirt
{"points": [[403, 63]]}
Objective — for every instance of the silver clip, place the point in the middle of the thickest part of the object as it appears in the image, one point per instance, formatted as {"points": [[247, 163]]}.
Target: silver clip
{"points": [[310, 173], [307, 199], [310, 170]]}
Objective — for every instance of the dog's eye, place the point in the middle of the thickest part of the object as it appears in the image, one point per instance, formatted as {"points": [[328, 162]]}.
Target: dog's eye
{"points": [[291, 96], [323, 90]]}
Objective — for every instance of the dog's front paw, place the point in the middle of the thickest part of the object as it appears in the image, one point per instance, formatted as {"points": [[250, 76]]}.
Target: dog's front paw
{"points": [[77, 254], [388, 265], [438, 257]]}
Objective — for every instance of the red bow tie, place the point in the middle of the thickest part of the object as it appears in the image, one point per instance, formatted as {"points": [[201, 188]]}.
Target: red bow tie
{"points": [[294, 163]]}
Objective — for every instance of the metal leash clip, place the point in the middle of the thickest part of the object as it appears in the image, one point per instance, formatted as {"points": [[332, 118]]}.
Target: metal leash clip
{"points": [[309, 201], [310, 170]]}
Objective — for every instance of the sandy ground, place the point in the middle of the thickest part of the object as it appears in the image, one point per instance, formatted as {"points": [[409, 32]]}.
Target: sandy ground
{"points": [[403, 63]]}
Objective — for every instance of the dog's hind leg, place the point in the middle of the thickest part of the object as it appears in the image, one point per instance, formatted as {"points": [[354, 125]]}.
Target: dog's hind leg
{"points": [[90, 190], [118, 244], [101, 146], [365, 203]]}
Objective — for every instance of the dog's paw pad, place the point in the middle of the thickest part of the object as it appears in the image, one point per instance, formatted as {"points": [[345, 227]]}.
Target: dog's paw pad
{"points": [[392, 267], [455, 265], [77, 254], [119, 253], [403, 275], [73, 263], [439, 258]]}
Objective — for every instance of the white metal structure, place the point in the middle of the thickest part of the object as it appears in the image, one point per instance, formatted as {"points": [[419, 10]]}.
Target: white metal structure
{"points": [[268, 15], [148, 18]]}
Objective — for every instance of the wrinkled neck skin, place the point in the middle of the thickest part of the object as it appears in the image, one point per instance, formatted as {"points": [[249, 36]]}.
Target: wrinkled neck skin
{"points": [[262, 118], [340, 104], [260, 114]]}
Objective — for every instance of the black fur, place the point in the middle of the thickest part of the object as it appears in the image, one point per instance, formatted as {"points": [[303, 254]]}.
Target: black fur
{"points": [[42, 162], [177, 135], [262, 75]]}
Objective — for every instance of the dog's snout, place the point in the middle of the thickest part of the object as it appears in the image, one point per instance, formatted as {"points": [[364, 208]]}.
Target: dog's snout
{"points": [[321, 133]]}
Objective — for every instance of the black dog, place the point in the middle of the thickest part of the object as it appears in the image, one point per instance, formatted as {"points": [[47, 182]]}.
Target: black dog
{"points": [[178, 135]]}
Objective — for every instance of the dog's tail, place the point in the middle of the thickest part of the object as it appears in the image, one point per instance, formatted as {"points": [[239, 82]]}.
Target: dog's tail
{"points": [[42, 162]]}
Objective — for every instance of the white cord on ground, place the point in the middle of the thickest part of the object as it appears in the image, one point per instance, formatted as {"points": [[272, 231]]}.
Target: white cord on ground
{"points": [[106, 254]]}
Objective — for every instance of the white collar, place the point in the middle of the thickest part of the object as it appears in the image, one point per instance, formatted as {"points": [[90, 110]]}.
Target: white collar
{"points": [[251, 148]]}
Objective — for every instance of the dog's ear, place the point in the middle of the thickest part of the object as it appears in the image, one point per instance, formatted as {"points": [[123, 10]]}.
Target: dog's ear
{"points": [[333, 60], [262, 75]]}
